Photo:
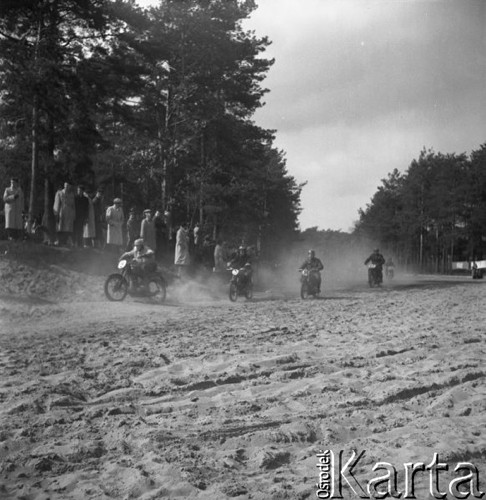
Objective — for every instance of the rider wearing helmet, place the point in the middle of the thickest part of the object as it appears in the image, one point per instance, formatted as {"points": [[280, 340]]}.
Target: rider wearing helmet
{"points": [[378, 260], [313, 264], [242, 261], [143, 260]]}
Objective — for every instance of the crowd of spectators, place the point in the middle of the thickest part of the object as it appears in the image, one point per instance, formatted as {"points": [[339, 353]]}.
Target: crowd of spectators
{"points": [[84, 219]]}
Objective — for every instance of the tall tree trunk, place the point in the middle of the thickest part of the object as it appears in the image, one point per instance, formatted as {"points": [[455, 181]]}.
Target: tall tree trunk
{"points": [[35, 158], [48, 219], [201, 183], [35, 131], [161, 131]]}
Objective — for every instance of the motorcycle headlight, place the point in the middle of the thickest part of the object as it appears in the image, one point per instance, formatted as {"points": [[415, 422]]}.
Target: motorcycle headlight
{"points": [[234, 272], [122, 264]]}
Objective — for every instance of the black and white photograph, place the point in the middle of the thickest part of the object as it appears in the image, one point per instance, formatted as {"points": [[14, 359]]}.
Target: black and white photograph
{"points": [[242, 249]]}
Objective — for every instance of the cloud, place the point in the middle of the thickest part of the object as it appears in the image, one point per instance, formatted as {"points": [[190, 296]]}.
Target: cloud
{"points": [[395, 59], [359, 88]]}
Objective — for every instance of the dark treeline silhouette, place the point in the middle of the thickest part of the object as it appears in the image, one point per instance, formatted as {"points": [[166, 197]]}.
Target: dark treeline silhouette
{"points": [[433, 214], [155, 106]]}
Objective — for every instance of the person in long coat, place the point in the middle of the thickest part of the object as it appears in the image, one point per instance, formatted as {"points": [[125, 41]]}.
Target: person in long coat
{"points": [[13, 198], [219, 260], [114, 220], [181, 257], [81, 211], [65, 212], [147, 230]]}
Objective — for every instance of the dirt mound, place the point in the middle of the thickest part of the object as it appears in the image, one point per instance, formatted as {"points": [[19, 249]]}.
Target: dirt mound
{"points": [[50, 273]]}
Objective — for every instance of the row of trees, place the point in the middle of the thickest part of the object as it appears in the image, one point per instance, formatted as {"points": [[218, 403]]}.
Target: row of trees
{"points": [[434, 213], [156, 105]]}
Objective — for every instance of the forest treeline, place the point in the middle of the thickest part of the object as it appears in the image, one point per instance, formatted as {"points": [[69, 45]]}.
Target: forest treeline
{"points": [[433, 214], [155, 105]]}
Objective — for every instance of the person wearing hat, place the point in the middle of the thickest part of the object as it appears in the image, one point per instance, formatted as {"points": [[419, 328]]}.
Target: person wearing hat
{"points": [[64, 211], [13, 197], [114, 220], [147, 230], [142, 261]]}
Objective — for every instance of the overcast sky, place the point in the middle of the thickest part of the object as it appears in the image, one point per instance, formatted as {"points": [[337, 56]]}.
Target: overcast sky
{"points": [[360, 87]]}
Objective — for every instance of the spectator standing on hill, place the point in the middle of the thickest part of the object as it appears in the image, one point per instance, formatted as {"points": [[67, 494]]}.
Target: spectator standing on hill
{"points": [[115, 219], [13, 198], [133, 228], [207, 253], [99, 218], [160, 234], [197, 234], [181, 257], [147, 230], [64, 211], [81, 215], [219, 257]]}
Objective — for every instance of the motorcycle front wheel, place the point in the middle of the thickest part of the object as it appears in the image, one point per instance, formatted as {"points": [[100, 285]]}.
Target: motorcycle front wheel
{"points": [[304, 291], [233, 292], [157, 289], [116, 287]]}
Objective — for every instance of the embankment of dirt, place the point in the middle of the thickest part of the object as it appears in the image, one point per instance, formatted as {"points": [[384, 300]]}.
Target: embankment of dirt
{"points": [[50, 273]]}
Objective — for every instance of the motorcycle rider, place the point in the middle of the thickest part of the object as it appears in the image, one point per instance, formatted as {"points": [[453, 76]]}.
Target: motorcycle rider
{"points": [[314, 265], [377, 259], [143, 261], [242, 262]]}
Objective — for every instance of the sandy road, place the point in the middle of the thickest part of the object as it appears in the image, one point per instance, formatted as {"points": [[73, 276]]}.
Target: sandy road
{"points": [[210, 399]]}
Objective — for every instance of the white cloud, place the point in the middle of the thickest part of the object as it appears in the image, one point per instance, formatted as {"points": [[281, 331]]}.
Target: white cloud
{"points": [[359, 88]]}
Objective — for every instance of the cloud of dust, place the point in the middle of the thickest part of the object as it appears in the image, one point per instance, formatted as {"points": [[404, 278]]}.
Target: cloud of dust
{"points": [[198, 287], [343, 259]]}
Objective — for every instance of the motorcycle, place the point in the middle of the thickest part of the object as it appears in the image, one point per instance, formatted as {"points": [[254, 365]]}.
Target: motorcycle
{"points": [[309, 283], [240, 284], [375, 275], [119, 285]]}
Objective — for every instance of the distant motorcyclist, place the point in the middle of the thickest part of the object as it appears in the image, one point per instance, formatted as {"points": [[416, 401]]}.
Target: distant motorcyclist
{"points": [[313, 264], [143, 261], [476, 272], [377, 259]]}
